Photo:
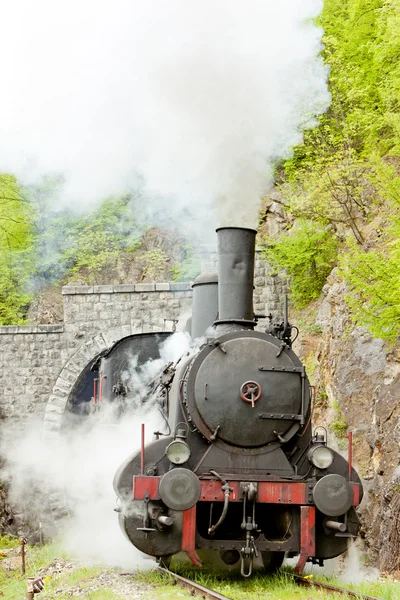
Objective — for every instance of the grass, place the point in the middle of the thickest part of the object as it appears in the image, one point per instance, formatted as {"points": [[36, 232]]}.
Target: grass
{"points": [[281, 586], [13, 582]]}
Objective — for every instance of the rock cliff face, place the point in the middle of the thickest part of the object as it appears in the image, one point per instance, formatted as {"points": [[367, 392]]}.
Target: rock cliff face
{"points": [[358, 386]]}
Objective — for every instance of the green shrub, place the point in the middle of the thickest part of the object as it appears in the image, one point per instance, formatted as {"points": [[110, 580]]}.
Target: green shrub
{"points": [[373, 280], [307, 254]]}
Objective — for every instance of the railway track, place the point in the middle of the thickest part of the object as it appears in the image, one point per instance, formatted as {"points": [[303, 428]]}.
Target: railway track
{"points": [[197, 589], [333, 588]]}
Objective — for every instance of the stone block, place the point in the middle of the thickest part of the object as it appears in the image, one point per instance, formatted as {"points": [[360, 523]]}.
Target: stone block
{"points": [[145, 287], [163, 287], [124, 288], [8, 329], [54, 408], [182, 286], [82, 289]]}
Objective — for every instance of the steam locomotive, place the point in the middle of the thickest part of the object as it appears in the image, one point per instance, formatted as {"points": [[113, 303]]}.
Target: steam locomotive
{"points": [[241, 473]]}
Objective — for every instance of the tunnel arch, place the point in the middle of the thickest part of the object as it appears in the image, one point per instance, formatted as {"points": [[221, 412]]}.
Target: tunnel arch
{"points": [[76, 375]]}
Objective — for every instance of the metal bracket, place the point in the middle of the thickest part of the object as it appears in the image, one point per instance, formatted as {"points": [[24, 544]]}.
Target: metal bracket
{"points": [[146, 517], [249, 490], [281, 417], [299, 370]]}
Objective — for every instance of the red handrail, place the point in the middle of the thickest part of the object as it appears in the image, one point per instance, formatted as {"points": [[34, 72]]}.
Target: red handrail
{"points": [[102, 377], [142, 450]]}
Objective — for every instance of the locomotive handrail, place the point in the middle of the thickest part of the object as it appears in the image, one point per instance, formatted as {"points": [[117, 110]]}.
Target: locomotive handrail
{"points": [[282, 369], [284, 417]]}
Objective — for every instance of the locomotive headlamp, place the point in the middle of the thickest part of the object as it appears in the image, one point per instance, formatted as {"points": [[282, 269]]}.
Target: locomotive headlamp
{"points": [[178, 452], [320, 456]]}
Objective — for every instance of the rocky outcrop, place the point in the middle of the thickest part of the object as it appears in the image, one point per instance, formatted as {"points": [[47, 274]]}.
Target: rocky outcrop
{"points": [[360, 381]]}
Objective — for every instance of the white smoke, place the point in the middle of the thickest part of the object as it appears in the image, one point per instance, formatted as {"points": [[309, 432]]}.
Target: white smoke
{"points": [[137, 377], [193, 98], [349, 567], [82, 463]]}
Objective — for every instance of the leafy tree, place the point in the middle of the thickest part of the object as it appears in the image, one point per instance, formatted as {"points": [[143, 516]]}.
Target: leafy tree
{"points": [[347, 171], [16, 264], [307, 254], [70, 245], [341, 168], [96, 240], [373, 279]]}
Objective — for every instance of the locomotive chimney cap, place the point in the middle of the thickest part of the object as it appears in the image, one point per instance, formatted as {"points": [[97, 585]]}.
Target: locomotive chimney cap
{"points": [[235, 227], [205, 279]]}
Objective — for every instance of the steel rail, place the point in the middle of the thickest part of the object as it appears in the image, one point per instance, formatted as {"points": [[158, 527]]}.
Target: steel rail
{"points": [[195, 588], [332, 588], [204, 592]]}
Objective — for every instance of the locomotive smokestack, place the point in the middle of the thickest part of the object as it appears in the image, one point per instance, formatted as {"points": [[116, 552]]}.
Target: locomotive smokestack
{"points": [[236, 252]]}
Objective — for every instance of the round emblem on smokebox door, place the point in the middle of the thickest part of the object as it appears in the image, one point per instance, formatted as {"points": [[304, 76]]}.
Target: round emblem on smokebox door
{"points": [[333, 495], [250, 391], [180, 489]]}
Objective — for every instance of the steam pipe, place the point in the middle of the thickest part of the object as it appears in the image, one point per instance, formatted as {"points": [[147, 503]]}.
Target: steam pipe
{"points": [[236, 254]]}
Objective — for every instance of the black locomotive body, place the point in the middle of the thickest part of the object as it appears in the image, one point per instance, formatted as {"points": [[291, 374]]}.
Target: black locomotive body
{"points": [[241, 473]]}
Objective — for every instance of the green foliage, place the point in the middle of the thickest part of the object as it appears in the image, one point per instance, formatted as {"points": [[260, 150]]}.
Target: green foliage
{"points": [[279, 586], [339, 428], [342, 171], [373, 279], [307, 254], [16, 265], [311, 365], [96, 240], [347, 171], [339, 425], [362, 48], [83, 244], [8, 541], [189, 267], [154, 262], [321, 397], [40, 244]]}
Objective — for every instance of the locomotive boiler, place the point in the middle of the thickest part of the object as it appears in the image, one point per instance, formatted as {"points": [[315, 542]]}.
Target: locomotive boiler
{"points": [[241, 472]]}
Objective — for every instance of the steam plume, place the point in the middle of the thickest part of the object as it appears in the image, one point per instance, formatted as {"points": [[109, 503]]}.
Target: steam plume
{"points": [[195, 99], [82, 463]]}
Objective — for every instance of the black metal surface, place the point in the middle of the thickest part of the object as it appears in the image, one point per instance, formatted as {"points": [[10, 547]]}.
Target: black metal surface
{"points": [[328, 543], [204, 303], [180, 489], [80, 398], [222, 374], [333, 495], [236, 253], [156, 543]]}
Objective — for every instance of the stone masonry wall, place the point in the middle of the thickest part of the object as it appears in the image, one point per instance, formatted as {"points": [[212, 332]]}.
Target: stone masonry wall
{"points": [[39, 365], [32, 358]]}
